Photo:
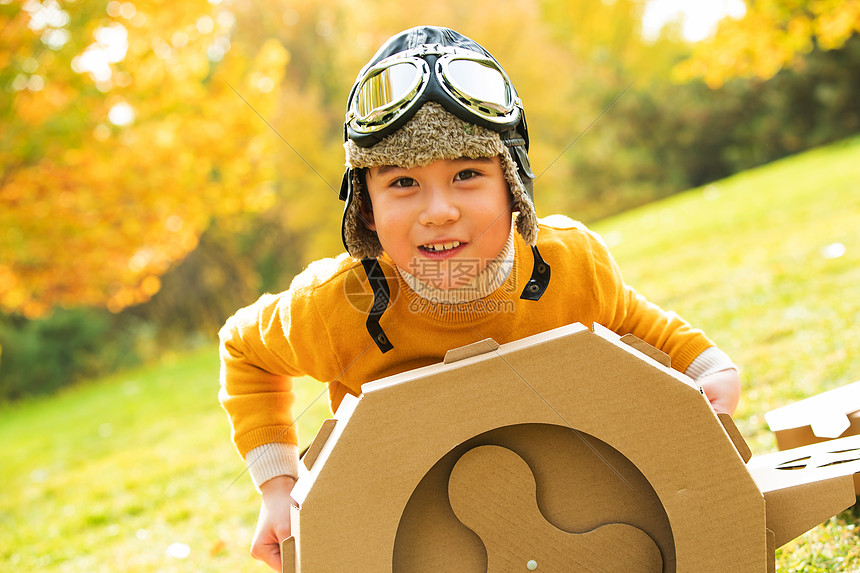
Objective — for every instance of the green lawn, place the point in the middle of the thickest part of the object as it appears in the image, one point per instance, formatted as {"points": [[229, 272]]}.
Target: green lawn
{"points": [[135, 472], [112, 475]]}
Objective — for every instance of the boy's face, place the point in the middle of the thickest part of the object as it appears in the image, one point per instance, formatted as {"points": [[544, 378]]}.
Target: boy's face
{"points": [[444, 222]]}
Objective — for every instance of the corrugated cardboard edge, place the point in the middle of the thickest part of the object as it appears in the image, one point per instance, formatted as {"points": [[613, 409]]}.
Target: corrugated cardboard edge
{"points": [[771, 552]]}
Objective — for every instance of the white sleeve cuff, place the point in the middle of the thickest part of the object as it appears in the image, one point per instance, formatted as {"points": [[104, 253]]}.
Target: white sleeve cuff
{"points": [[710, 361], [272, 460]]}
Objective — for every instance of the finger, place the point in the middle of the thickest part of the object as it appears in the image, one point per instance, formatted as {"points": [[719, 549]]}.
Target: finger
{"points": [[270, 554]]}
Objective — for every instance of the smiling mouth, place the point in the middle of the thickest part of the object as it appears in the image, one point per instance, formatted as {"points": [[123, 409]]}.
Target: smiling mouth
{"points": [[440, 247]]}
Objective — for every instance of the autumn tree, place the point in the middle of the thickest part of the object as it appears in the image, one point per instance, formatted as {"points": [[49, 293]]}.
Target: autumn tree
{"points": [[126, 131], [772, 35]]}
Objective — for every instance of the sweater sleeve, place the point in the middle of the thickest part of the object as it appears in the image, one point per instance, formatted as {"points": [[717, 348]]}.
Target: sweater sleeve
{"points": [[257, 366], [710, 361], [272, 460], [624, 311]]}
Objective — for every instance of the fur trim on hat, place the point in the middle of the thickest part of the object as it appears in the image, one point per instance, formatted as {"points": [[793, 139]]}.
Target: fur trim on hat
{"points": [[431, 134]]}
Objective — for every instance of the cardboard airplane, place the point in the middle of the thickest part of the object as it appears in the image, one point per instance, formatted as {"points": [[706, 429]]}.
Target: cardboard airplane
{"points": [[571, 450]]}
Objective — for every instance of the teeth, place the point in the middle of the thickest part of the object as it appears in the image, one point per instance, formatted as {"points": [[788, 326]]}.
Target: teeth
{"points": [[441, 246]]}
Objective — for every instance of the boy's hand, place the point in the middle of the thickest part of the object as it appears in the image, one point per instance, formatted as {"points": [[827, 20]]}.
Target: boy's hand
{"points": [[273, 525], [723, 390]]}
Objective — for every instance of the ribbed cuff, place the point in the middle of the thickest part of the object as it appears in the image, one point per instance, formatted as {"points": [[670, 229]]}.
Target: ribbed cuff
{"points": [[710, 361], [272, 460]]}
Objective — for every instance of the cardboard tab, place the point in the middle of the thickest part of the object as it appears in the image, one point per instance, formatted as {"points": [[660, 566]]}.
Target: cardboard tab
{"points": [[829, 424], [737, 439], [319, 441], [470, 350], [647, 349], [288, 555]]}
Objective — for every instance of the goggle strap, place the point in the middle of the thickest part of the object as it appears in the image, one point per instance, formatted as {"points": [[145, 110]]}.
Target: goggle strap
{"points": [[517, 147], [529, 187], [345, 185], [516, 141], [517, 144], [522, 159]]}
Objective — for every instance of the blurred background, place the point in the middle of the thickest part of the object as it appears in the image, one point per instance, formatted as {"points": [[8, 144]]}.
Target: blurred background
{"points": [[163, 163]]}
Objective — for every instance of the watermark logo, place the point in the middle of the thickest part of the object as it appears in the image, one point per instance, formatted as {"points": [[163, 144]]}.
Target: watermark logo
{"points": [[470, 277], [363, 291], [420, 305], [443, 288], [464, 286]]}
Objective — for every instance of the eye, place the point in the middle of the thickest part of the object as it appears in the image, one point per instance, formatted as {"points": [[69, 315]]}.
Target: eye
{"points": [[404, 182], [465, 174]]}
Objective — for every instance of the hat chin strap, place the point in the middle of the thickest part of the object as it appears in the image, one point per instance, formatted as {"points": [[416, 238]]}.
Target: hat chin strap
{"points": [[539, 280], [381, 297]]}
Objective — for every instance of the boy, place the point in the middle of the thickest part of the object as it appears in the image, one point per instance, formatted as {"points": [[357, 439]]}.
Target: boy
{"points": [[436, 146]]}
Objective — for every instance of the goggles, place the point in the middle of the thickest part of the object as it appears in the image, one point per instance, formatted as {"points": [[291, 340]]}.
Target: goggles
{"points": [[468, 84]]}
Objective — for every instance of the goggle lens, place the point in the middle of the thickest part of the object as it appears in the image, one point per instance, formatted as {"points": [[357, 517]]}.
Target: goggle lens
{"points": [[386, 90], [479, 83]]}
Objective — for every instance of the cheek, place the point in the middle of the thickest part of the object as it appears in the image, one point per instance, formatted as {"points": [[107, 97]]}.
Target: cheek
{"points": [[501, 209], [501, 216], [388, 220], [501, 228]]}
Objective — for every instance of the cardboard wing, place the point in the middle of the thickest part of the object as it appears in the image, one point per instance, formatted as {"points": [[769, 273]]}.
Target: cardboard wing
{"points": [[825, 416], [571, 450], [807, 485]]}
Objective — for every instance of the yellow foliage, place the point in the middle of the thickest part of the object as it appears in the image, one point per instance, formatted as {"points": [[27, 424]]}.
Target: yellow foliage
{"points": [[772, 35]]}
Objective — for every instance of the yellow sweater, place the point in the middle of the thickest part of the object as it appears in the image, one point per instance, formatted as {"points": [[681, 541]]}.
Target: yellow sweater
{"points": [[317, 327]]}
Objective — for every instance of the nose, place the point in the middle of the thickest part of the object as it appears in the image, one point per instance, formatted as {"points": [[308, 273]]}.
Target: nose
{"points": [[439, 208]]}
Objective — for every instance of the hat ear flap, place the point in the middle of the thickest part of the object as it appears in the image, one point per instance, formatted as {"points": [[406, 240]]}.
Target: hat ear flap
{"points": [[360, 240], [527, 219], [365, 210]]}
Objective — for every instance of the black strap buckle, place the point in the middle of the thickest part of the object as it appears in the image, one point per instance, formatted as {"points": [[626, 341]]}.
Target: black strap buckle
{"points": [[539, 280]]}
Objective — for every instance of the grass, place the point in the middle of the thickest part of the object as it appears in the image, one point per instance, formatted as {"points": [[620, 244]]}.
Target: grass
{"points": [[130, 473], [135, 472]]}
